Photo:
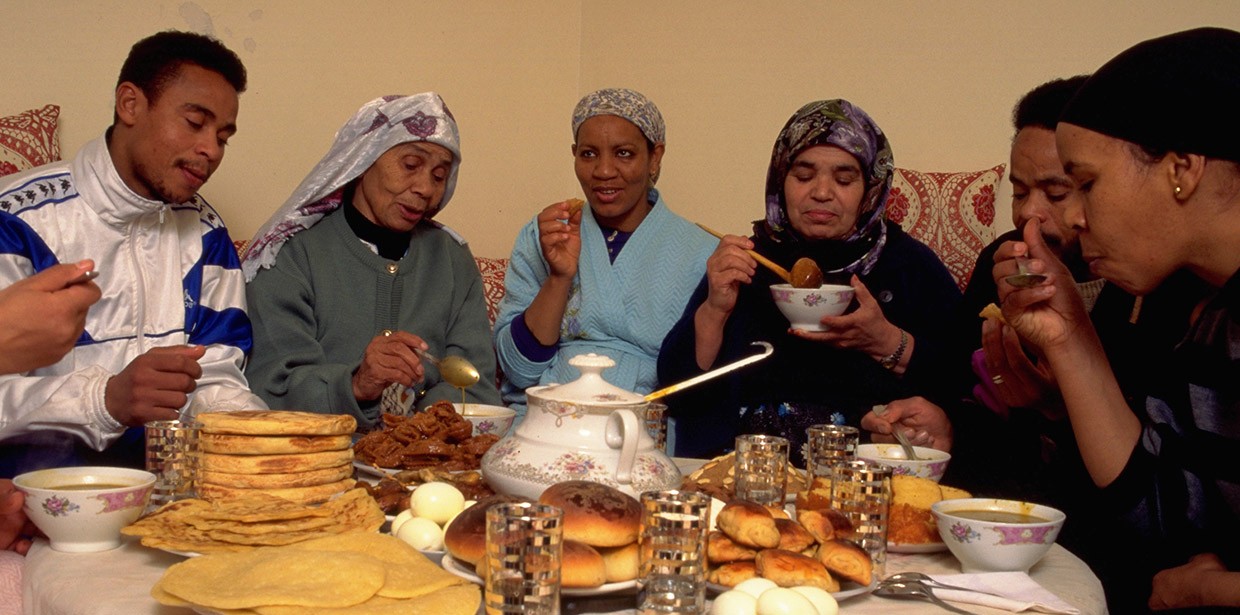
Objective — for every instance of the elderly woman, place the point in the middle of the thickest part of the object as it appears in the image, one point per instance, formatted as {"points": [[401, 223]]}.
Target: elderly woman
{"points": [[826, 191], [1158, 197], [611, 277], [351, 277]]}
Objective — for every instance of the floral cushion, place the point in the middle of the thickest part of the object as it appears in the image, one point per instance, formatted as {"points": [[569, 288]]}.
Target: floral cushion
{"points": [[953, 213], [29, 139]]}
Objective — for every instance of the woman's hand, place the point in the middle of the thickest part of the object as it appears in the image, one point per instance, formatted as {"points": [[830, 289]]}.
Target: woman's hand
{"points": [[728, 267], [865, 330], [1018, 381], [1203, 581], [388, 359], [924, 423], [1050, 314], [560, 241]]}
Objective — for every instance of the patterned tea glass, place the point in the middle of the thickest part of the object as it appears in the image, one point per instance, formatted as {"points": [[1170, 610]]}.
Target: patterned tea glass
{"points": [[524, 546], [672, 552], [826, 445], [171, 455], [761, 468], [862, 491]]}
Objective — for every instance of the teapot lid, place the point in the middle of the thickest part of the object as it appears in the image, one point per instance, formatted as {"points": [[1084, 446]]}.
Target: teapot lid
{"points": [[590, 388]]}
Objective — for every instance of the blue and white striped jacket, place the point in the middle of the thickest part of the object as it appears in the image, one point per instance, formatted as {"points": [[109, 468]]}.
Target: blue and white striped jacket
{"points": [[169, 276]]}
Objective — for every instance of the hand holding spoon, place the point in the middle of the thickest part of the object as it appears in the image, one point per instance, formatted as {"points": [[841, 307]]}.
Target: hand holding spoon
{"points": [[768, 263], [1024, 279]]}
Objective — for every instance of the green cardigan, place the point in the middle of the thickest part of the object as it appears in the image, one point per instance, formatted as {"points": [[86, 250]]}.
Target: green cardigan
{"points": [[313, 317]]}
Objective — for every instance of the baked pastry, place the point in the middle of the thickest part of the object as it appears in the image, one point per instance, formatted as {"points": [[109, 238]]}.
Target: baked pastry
{"points": [[788, 569], [730, 575], [466, 537], [230, 444], [748, 524], [581, 566], [301, 495], [594, 513], [277, 423], [721, 550], [992, 311], [717, 477], [308, 478], [846, 560], [910, 520], [778, 512], [824, 524], [621, 562], [275, 464], [793, 537], [574, 206]]}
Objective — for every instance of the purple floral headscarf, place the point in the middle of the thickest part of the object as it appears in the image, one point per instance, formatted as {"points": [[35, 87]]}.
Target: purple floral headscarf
{"points": [[378, 126], [839, 123]]}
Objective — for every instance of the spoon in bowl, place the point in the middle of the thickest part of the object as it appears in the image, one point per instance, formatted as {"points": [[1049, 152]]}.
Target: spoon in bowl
{"points": [[456, 371], [1024, 279], [880, 410], [912, 590]]}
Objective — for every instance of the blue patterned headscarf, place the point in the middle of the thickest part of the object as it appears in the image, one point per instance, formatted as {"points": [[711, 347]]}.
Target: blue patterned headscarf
{"points": [[621, 102], [839, 123]]}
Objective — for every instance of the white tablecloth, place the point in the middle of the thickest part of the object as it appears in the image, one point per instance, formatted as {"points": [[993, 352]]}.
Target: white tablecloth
{"points": [[119, 582]]}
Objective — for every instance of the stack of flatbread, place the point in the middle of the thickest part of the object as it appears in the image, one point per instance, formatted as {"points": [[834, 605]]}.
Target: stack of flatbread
{"points": [[356, 573], [299, 456]]}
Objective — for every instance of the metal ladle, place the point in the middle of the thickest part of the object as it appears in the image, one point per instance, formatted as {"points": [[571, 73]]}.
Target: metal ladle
{"points": [[912, 590], [1024, 279], [456, 371]]}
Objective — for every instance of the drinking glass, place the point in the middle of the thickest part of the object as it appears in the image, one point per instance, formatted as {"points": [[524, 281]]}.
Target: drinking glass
{"points": [[524, 546], [826, 445], [672, 548], [861, 490], [761, 468], [171, 455], [656, 424]]}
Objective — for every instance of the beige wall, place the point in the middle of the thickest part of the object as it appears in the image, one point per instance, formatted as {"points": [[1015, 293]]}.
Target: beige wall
{"points": [[939, 77]]}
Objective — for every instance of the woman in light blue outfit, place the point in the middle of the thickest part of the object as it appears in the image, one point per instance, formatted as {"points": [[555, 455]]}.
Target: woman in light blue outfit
{"points": [[610, 278]]}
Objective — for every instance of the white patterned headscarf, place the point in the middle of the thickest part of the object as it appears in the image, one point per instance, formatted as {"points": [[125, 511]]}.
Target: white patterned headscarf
{"points": [[378, 126]]}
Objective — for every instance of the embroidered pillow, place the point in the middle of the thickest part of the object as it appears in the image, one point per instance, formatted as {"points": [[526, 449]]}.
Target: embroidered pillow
{"points": [[29, 139], [953, 213]]}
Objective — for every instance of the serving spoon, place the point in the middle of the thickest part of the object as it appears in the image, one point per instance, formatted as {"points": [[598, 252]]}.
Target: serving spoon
{"points": [[925, 579], [456, 371], [913, 590]]}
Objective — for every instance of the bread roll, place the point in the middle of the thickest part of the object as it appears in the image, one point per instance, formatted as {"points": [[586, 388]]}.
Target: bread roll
{"points": [[778, 512], [793, 537], [748, 524], [788, 569], [581, 566], [721, 550], [466, 537], [621, 562], [731, 575], [846, 560], [594, 513], [817, 524]]}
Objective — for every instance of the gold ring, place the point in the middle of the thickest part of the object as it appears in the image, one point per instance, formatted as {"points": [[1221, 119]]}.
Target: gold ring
{"points": [[997, 379]]}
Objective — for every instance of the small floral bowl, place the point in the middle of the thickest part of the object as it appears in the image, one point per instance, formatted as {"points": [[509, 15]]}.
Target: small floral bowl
{"points": [[494, 420], [805, 307], [930, 463], [83, 509], [989, 535]]}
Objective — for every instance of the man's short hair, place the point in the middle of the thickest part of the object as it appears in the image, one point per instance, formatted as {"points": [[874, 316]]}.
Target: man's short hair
{"points": [[156, 60], [1043, 105]]}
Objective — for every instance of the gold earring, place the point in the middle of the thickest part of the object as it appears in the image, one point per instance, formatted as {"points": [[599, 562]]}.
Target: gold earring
{"points": [[1177, 191]]}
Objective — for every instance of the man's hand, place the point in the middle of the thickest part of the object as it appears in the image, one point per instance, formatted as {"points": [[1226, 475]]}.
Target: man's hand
{"points": [[13, 522], [44, 316], [155, 385], [1203, 581], [388, 359], [924, 423]]}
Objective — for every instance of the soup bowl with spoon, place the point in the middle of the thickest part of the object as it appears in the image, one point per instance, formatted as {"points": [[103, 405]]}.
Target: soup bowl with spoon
{"points": [[993, 535]]}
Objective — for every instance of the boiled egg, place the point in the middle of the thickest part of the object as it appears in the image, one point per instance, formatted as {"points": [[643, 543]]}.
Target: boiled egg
{"points": [[781, 601], [436, 501], [755, 586], [400, 520], [422, 534], [734, 602], [468, 503], [823, 601]]}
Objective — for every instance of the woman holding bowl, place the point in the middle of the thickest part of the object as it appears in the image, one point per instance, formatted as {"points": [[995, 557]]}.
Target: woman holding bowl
{"points": [[826, 192], [352, 276], [610, 277]]}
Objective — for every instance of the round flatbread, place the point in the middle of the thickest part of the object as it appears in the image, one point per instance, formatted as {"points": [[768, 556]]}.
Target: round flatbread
{"points": [[230, 444], [274, 464], [308, 478], [303, 495], [277, 423]]}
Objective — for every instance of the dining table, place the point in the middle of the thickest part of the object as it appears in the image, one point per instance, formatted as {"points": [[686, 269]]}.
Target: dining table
{"points": [[119, 581]]}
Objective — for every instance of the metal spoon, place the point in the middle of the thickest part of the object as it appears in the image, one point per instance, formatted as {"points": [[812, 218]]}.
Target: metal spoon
{"points": [[909, 454], [1024, 279], [910, 590], [456, 371], [917, 577]]}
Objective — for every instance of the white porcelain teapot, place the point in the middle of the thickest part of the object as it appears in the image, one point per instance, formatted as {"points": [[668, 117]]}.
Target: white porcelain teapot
{"points": [[587, 429]]}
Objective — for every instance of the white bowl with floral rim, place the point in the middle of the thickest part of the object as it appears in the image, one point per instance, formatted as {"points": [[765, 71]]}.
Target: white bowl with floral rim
{"points": [[489, 420], [992, 535], [805, 307], [83, 509]]}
